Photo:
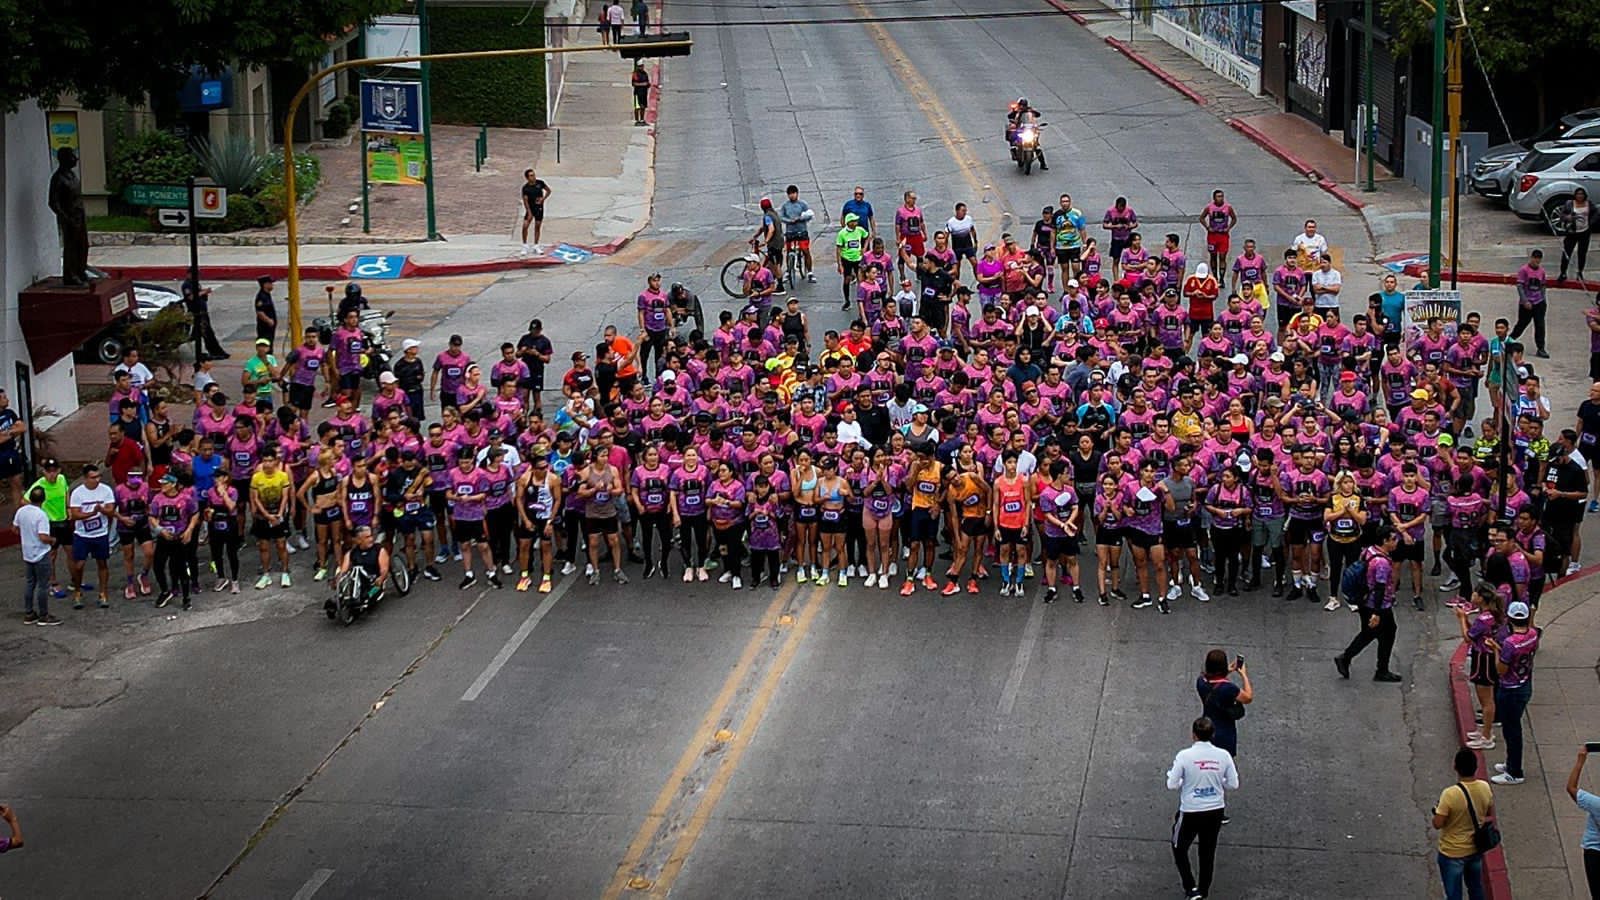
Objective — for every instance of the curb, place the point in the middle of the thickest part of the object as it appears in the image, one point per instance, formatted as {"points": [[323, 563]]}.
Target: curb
{"points": [[1497, 876], [1072, 14], [1161, 74], [1417, 271], [1333, 188]]}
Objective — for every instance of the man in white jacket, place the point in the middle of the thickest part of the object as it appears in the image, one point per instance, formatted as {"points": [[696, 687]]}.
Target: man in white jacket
{"points": [[1202, 774]]}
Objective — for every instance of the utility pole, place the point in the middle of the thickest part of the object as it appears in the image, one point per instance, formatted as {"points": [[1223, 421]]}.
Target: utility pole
{"points": [[1457, 156], [1370, 117], [427, 116], [1436, 206]]}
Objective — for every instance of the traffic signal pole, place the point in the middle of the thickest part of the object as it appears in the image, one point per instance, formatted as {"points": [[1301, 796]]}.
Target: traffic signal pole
{"points": [[675, 44]]}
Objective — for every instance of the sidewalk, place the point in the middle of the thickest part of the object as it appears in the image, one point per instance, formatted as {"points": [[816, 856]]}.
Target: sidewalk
{"points": [[601, 197], [1493, 242]]}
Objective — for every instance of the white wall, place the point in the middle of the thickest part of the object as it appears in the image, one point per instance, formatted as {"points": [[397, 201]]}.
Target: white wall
{"points": [[30, 250]]}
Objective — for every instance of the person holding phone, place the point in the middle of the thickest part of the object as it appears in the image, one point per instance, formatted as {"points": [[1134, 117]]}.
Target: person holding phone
{"points": [[1223, 701], [1590, 804]]}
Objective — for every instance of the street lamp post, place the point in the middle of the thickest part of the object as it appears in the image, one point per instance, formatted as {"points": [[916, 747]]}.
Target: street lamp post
{"points": [[1436, 207]]}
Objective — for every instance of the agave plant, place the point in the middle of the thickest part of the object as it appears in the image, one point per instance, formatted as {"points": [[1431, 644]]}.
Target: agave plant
{"points": [[231, 162]]}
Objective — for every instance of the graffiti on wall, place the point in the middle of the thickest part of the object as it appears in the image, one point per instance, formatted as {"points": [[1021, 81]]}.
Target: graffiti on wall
{"points": [[1235, 28], [1311, 57]]}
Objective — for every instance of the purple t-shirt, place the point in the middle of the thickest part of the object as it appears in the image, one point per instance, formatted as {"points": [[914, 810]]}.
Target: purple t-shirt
{"points": [[463, 484]]}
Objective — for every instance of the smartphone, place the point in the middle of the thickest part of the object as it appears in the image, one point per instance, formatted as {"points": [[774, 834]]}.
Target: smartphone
{"points": [[1592, 746], [1238, 661]]}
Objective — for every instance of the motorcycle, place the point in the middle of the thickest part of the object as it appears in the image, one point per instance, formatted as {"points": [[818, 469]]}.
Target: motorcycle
{"points": [[374, 324], [1024, 140]]}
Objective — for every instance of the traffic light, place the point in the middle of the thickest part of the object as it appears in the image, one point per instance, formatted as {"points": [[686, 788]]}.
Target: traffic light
{"points": [[649, 46]]}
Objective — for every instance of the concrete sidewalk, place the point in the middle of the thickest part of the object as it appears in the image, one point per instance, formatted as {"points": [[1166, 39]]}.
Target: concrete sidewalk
{"points": [[601, 197], [1493, 241]]}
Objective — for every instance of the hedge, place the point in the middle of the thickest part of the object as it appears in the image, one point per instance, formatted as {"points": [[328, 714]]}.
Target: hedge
{"points": [[506, 93]]}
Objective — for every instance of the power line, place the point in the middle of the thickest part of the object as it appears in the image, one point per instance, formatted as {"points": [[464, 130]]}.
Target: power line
{"points": [[911, 17]]}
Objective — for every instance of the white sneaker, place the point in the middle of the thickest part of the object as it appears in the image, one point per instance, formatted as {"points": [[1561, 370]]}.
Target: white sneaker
{"points": [[290, 546], [905, 552], [1332, 604], [894, 569], [1499, 767], [737, 584], [538, 249], [1506, 779], [872, 580], [505, 569], [284, 580], [300, 540], [688, 575], [1199, 593], [725, 577], [523, 251], [1266, 561], [588, 569], [568, 568], [1449, 584], [1573, 567], [1480, 744], [1174, 591], [1027, 570], [883, 582]]}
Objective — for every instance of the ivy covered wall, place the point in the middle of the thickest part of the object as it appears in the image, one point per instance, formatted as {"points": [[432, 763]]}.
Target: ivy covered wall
{"points": [[497, 92]]}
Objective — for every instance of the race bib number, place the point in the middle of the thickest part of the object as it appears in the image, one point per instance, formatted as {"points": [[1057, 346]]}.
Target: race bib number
{"points": [[1011, 506]]}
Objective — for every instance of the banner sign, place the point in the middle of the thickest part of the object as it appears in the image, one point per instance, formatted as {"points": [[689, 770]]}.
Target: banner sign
{"points": [[1422, 305], [393, 107], [396, 159]]}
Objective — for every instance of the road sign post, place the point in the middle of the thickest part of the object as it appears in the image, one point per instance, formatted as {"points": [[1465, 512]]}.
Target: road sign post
{"points": [[194, 264]]}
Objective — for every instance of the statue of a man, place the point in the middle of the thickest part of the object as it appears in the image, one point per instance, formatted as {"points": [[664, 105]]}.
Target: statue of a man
{"points": [[66, 201]]}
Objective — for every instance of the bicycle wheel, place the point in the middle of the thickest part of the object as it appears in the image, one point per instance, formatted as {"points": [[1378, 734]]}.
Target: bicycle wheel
{"points": [[732, 277], [400, 577]]}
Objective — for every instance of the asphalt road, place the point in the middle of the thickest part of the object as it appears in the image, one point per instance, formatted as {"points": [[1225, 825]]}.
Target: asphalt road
{"points": [[811, 742]]}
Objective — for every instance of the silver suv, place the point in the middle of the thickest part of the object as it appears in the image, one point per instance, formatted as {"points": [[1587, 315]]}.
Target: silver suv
{"points": [[1546, 178], [1493, 172]]}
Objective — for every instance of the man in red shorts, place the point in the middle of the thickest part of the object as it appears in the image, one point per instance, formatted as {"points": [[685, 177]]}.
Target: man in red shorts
{"points": [[1218, 218]]}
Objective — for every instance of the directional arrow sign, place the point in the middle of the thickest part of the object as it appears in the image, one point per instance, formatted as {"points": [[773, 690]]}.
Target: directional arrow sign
{"points": [[173, 218]]}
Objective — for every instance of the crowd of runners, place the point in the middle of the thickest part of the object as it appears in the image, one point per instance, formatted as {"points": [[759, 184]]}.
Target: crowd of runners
{"points": [[1118, 424]]}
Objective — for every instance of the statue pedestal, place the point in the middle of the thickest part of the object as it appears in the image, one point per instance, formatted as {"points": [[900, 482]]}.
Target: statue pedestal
{"points": [[57, 318]]}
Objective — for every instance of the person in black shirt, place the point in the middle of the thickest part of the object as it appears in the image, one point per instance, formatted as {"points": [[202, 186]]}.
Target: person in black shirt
{"points": [[197, 300], [534, 193], [873, 419], [1566, 486], [266, 310], [641, 91], [409, 373], [534, 349]]}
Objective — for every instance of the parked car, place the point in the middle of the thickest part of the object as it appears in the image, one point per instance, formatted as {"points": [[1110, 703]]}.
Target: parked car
{"points": [[1493, 172], [107, 346], [1547, 177]]}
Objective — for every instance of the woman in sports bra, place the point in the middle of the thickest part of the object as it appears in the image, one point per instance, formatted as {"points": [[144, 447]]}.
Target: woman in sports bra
{"points": [[832, 491], [320, 493], [1108, 540], [803, 480]]}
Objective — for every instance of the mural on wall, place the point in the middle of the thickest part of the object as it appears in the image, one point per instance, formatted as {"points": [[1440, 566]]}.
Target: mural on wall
{"points": [[1235, 28], [1311, 57]]}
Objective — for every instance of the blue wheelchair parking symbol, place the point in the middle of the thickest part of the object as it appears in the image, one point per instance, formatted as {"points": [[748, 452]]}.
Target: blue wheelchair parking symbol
{"points": [[570, 254], [377, 267]]}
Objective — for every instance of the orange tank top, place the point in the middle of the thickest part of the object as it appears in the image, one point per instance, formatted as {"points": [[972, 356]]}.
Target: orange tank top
{"points": [[1011, 498]]}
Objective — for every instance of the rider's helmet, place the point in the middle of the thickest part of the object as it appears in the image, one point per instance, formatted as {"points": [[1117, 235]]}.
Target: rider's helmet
{"points": [[352, 291], [1022, 103], [677, 288]]}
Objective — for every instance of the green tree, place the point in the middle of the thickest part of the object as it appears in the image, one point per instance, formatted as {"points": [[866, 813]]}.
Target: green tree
{"points": [[1534, 41], [99, 49]]}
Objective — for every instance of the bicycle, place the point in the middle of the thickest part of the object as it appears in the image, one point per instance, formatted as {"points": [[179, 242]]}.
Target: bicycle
{"points": [[793, 265], [733, 270]]}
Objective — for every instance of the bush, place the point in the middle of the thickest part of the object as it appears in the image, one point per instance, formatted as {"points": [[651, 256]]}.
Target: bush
{"points": [[150, 157], [160, 338], [352, 105], [337, 124], [307, 175], [231, 162]]}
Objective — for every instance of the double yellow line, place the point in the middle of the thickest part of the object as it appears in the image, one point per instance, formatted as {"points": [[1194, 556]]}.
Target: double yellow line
{"points": [[684, 807]]}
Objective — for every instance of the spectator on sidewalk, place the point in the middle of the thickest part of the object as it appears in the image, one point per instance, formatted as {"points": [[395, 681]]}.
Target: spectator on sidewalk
{"points": [[641, 15], [534, 193], [1590, 804], [641, 89], [1461, 807], [615, 19], [38, 545], [1578, 220], [266, 311], [1514, 662]]}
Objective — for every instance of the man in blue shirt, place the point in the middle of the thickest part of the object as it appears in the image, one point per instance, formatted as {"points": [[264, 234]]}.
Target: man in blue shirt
{"points": [[205, 465], [1394, 306], [1590, 804], [858, 205]]}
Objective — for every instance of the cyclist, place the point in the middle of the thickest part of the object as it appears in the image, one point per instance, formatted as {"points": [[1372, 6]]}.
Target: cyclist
{"points": [[768, 238], [795, 214], [848, 248], [370, 561]]}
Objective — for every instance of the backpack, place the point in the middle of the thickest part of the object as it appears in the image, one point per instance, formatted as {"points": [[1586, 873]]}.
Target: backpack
{"points": [[1353, 582]]}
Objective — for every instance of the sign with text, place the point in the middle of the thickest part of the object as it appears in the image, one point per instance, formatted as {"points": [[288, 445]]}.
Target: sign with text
{"points": [[392, 107], [63, 125], [171, 195], [396, 159], [1422, 305]]}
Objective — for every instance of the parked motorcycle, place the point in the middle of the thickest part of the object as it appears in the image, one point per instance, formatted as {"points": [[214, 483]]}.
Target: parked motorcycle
{"points": [[1025, 145], [374, 325]]}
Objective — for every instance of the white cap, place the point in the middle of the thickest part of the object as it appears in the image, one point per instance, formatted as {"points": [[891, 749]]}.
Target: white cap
{"points": [[1518, 610], [1032, 311], [1277, 356], [669, 375], [408, 343], [1072, 282], [1202, 271], [1239, 359], [387, 378]]}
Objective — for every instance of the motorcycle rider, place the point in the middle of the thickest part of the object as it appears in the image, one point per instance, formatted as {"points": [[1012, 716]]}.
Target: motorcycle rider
{"points": [[353, 300], [1022, 114], [795, 214], [372, 561]]}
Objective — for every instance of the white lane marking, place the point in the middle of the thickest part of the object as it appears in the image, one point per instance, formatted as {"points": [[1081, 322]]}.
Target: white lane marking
{"points": [[313, 884], [1019, 666], [515, 641]]}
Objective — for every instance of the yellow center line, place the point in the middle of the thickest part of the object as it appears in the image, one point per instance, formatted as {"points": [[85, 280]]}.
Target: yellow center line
{"points": [[945, 128], [704, 736], [737, 744]]}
